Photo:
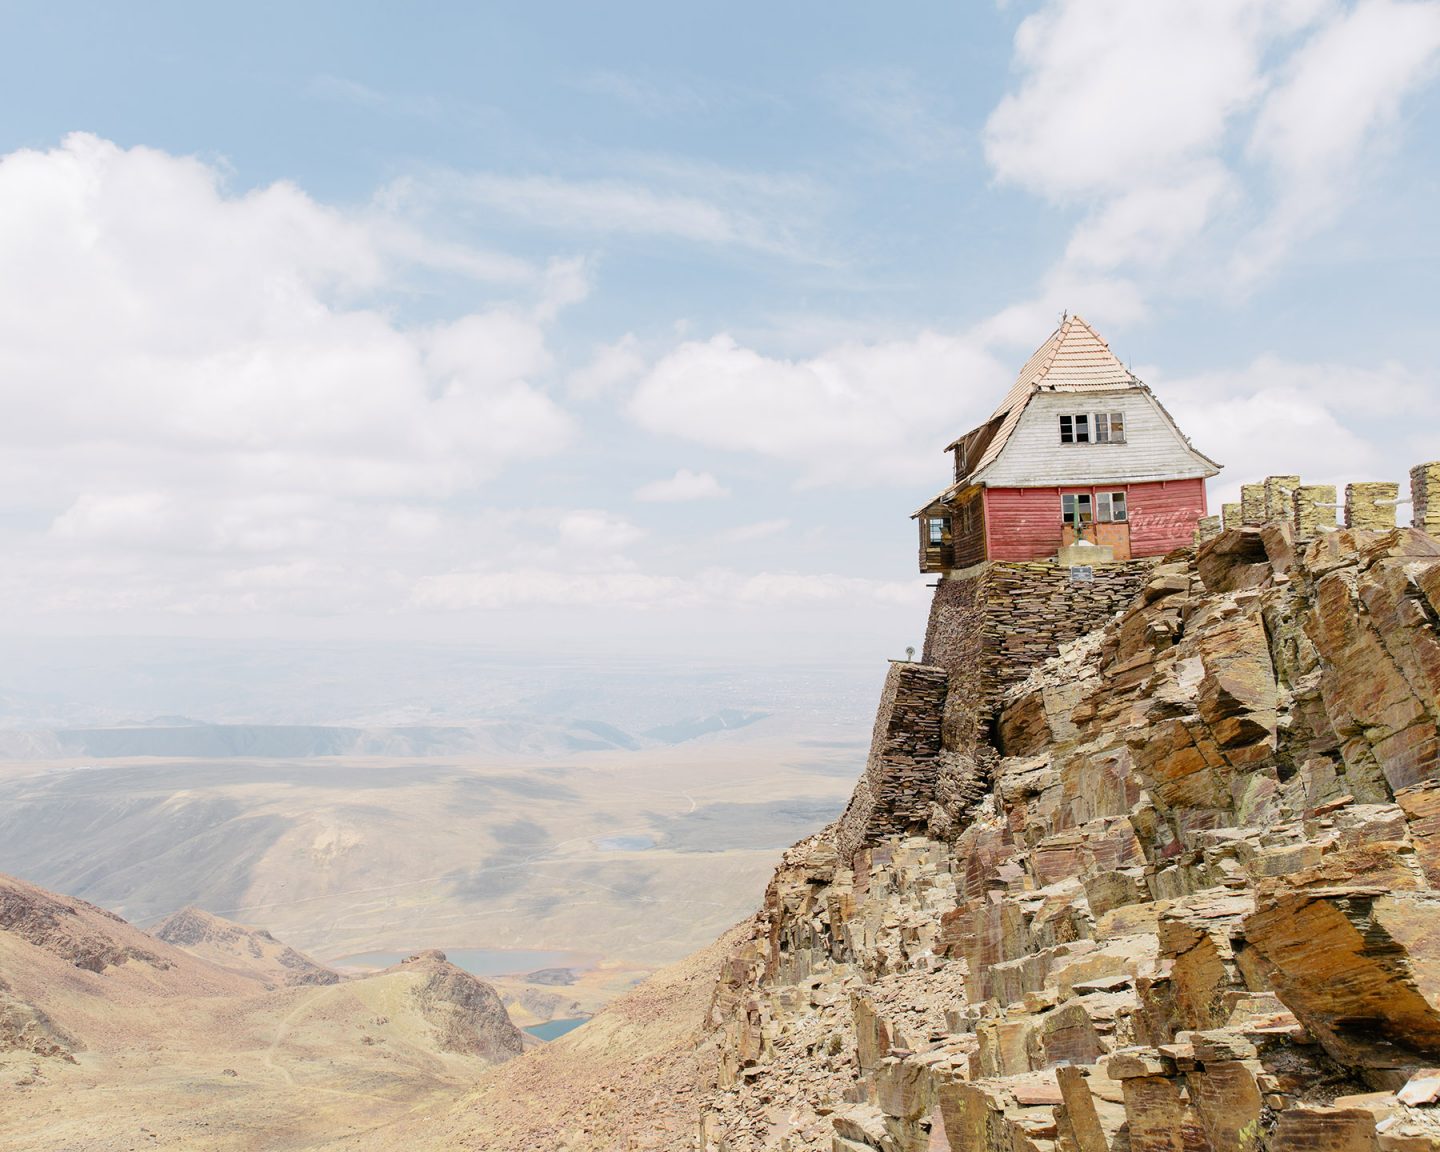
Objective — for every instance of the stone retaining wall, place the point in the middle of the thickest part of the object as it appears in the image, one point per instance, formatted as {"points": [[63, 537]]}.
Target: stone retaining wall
{"points": [[899, 786], [992, 627], [989, 628]]}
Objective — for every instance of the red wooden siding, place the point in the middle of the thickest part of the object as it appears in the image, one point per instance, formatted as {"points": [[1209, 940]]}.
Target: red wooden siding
{"points": [[1163, 515], [1024, 523]]}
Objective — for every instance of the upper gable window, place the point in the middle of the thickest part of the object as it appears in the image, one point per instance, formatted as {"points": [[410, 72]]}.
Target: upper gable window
{"points": [[1109, 427], [1092, 428], [1075, 429]]}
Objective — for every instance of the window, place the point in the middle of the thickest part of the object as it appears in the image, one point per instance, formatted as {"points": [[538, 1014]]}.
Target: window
{"points": [[937, 531], [1110, 507], [1109, 427], [1075, 508]]}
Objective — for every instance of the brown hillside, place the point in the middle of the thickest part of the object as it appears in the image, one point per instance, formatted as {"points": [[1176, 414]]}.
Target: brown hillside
{"points": [[248, 951], [111, 1039]]}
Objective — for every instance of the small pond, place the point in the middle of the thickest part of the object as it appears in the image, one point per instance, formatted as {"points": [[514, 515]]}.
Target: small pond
{"points": [[625, 843], [553, 1029]]}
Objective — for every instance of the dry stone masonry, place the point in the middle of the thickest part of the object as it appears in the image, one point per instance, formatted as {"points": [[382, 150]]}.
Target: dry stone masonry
{"points": [[901, 776], [1279, 496], [1168, 880], [1425, 496], [1252, 503], [1314, 510], [1371, 506]]}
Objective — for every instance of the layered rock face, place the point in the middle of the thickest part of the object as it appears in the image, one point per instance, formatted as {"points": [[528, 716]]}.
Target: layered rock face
{"points": [[249, 951], [1192, 904]]}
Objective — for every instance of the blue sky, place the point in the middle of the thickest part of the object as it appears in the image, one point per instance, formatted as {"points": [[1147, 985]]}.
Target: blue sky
{"points": [[646, 324]]}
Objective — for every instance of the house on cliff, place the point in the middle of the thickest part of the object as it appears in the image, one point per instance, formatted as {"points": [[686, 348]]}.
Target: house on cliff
{"points": [[1079, 449]]}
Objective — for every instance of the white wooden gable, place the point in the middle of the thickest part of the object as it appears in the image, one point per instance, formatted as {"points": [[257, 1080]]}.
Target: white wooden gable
{"points": [[1033, 455], [1075, 372]]}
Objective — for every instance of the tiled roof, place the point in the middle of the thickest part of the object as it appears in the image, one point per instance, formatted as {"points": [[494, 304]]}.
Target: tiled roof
{"points": [[1073, 359]]}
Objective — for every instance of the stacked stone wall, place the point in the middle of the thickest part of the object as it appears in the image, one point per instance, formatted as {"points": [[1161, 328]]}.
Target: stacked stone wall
{"points": [[1280, 496], [1314, 510], [990, 628], [1425, 497], [901, 776], [1252, 503], [1370, 507], [1029, 610], [1311, 510], [955, 639]]}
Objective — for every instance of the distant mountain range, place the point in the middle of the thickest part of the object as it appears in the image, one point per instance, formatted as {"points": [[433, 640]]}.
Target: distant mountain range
{"points": [[178, 736]]}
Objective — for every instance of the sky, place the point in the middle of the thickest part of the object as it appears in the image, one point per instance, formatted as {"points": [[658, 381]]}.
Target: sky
{"points": [[643, 326]]}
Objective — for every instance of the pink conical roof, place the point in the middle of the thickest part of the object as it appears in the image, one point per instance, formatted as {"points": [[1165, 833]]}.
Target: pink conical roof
{"points": [[1073, 359]]}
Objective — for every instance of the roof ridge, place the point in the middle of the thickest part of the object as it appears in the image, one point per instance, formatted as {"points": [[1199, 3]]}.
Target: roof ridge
{"points": [[1059, 337]]}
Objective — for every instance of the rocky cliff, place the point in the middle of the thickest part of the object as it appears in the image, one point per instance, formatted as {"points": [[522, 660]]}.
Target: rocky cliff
{"points": [[1187, 895], [248, 951]]}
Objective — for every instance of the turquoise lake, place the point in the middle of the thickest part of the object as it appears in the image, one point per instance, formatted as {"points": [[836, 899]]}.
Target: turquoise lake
{"points": [[552, 1029]]}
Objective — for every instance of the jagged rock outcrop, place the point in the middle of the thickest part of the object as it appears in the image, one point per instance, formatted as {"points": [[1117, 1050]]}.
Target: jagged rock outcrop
{"points": [[25, 1028], [1195, 906], [71, 929], [466, 1013], [251, 951]]}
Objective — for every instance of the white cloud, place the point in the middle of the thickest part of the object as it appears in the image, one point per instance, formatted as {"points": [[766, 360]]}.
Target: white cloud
{"points": [[857, 414], [1343, 83], [700, 203], [1326, 422], [1333, 113], [614, 206], [610, 366], [593, 532], [1137, 114], [684, 485], [760, 530], [187, 372]]}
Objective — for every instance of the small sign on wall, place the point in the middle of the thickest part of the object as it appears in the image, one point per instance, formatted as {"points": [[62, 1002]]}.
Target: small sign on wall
{"points": [[1082, 574]]}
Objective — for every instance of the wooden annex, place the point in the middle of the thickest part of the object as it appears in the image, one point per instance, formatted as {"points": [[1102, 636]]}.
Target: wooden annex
{"points": [[1080, 449]]}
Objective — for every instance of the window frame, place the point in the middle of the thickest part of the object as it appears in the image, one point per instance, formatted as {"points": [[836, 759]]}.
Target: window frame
{"points": [[1109, 427], [1106, 504], [1082, 509], [935, 531], [1106, 427]]}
